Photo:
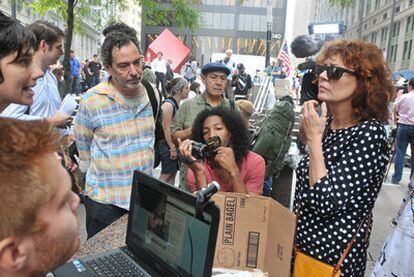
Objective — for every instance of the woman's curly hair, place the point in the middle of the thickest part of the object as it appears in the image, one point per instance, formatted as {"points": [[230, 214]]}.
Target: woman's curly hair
{"points": [[239, 135], [374, 85]]}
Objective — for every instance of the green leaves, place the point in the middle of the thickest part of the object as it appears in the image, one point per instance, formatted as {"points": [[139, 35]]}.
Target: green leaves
{"points": [[177, 13], [342, 3]]}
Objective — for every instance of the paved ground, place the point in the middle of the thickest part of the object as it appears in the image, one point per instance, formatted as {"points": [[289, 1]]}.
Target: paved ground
{"points": [[385, 209]]}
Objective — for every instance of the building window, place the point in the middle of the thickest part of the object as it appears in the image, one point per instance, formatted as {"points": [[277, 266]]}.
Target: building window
{"points": [[397, 9], [407, 50], [365, 38], [377, 3], [384, 16], [256, 23], [374, 21], [393, 53], [396, 29], [411, 2], [368, 7], [409, 27], [384, 34], [374, 37]]}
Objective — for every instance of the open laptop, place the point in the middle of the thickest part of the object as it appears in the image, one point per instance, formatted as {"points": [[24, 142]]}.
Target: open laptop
{"points": [[165, 236]]}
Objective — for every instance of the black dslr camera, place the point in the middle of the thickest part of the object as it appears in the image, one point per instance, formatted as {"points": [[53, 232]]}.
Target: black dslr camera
{"points": [[202, 151]]}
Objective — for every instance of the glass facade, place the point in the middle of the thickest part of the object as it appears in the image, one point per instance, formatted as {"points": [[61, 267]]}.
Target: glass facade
{"points": [[238, 26]]}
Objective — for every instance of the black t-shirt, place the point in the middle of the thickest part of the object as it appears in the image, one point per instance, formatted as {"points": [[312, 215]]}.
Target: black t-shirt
{"points": [[95, 67]]}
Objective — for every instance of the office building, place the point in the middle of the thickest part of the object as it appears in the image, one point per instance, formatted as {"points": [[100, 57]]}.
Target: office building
{"points": [[387, 23], [228, 24]]}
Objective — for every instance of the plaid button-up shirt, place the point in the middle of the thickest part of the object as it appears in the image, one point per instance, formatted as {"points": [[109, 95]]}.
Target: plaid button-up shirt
{"points": [[114, 139]]}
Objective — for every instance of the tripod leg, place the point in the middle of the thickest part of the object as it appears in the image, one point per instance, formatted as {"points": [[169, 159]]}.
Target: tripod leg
{"points": [[391, 159]]}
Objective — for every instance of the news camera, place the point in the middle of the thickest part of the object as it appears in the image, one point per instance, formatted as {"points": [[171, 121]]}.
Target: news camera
{"points": [[305, 46]]}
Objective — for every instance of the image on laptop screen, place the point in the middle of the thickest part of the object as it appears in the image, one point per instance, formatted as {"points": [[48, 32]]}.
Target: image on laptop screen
{"points": [[161, 224]]}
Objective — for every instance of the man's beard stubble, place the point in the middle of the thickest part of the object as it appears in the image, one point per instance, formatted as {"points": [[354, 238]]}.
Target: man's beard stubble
{"points": [[132, 83], [52, 252]]}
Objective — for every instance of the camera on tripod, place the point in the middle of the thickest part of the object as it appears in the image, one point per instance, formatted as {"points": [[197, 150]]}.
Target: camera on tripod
{"points": [[202, 151]]}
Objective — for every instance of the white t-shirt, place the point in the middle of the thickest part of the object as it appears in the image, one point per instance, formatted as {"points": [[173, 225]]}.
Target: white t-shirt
{"points": [[159, 65]]}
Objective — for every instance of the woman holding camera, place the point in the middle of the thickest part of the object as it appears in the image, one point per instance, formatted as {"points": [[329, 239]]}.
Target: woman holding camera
{"points": [[231, 164], [339, 180]]}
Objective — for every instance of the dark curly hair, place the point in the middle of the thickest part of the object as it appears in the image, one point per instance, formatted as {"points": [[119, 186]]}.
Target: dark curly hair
{"points": [[117, 35], [239, 135], [374, 86]]}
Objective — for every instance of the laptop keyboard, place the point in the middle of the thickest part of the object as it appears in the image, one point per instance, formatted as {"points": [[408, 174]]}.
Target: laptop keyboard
{"points": [[114, 265]]}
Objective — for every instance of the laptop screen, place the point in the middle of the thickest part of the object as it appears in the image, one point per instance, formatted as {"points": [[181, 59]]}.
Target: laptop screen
{"points": [[162, 225]]}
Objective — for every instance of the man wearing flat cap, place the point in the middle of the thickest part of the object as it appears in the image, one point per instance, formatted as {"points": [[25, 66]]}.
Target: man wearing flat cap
{"points": [[214, 77]]}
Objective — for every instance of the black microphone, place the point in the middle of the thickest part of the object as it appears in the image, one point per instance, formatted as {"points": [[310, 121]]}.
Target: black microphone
{"points": [[205, 193], [306, 46], [309, 64]]}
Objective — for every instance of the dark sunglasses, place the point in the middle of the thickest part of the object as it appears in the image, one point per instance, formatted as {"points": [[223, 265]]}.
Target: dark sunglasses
{"points": [[333, 72]]}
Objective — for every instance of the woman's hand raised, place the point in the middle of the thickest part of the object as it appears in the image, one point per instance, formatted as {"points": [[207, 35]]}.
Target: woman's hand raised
{"points": [[313, 124]]}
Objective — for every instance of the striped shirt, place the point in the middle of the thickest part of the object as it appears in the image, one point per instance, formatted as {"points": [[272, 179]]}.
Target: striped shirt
{"points": [[114, 139]]}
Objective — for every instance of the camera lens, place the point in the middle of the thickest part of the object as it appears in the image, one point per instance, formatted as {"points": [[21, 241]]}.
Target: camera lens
{"points": [[199, 150]]}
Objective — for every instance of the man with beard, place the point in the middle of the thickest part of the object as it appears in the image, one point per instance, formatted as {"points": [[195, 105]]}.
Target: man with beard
{"points": [[39, 229], [114, 130]]}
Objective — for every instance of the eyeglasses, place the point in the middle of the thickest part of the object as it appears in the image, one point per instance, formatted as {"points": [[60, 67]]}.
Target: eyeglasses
{"points": [[333, 72]]}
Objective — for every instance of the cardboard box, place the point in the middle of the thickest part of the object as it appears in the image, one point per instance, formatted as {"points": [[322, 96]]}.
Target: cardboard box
{"points": [[255, 232]]}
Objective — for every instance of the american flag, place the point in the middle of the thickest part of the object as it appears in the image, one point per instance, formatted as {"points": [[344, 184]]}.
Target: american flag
{"points": [[284, 57]]}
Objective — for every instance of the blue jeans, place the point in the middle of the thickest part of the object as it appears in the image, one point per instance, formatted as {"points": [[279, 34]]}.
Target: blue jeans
{"points": [[94, 81], [405, 135], [75, 85]]}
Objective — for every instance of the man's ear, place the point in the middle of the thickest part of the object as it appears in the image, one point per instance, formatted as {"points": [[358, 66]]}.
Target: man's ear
{"points": [[13, 254], [108, 69], [203, 78], [43, 45]]}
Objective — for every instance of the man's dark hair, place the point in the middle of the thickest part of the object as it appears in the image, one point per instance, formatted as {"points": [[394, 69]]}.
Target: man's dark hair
{"points": [[71, 51], [14, 37], [411, 82], [117, 35], [235, 124], [46, 31], [95, 55]]}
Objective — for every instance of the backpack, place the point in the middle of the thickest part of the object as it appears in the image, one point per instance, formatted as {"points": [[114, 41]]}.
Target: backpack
{"points": [[273, 139], [156, 110]]}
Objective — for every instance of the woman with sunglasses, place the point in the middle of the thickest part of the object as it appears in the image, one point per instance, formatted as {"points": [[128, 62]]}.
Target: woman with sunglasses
{"points": [[18, 72], [339, 179]]}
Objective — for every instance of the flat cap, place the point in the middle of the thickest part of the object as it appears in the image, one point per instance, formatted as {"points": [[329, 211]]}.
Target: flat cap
{"points": [[210, 67]]}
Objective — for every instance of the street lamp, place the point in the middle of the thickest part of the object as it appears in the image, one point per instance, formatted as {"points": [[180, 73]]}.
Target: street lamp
{"points": [[269, 23]]}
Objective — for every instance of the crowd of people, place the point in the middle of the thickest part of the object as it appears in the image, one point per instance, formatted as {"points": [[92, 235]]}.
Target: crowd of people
{"points": [[141, 113]]}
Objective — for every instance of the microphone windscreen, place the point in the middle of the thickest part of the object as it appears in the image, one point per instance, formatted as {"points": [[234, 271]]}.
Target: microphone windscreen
{"points": [[306, 46]]}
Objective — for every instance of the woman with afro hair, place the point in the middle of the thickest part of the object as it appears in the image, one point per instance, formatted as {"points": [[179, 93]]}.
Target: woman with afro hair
{"points": [[232, 165]]}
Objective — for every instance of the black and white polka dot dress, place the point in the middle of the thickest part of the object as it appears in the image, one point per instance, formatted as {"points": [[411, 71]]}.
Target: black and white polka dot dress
{"points": [[332, 210]]}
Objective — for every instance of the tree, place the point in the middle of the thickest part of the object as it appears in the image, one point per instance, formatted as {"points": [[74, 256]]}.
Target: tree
{"points": [[342, 3], [156, 12]]}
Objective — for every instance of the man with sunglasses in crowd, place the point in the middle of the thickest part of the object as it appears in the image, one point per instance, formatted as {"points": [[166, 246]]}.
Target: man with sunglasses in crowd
{"points": [[114, 130], [46, 99]]}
